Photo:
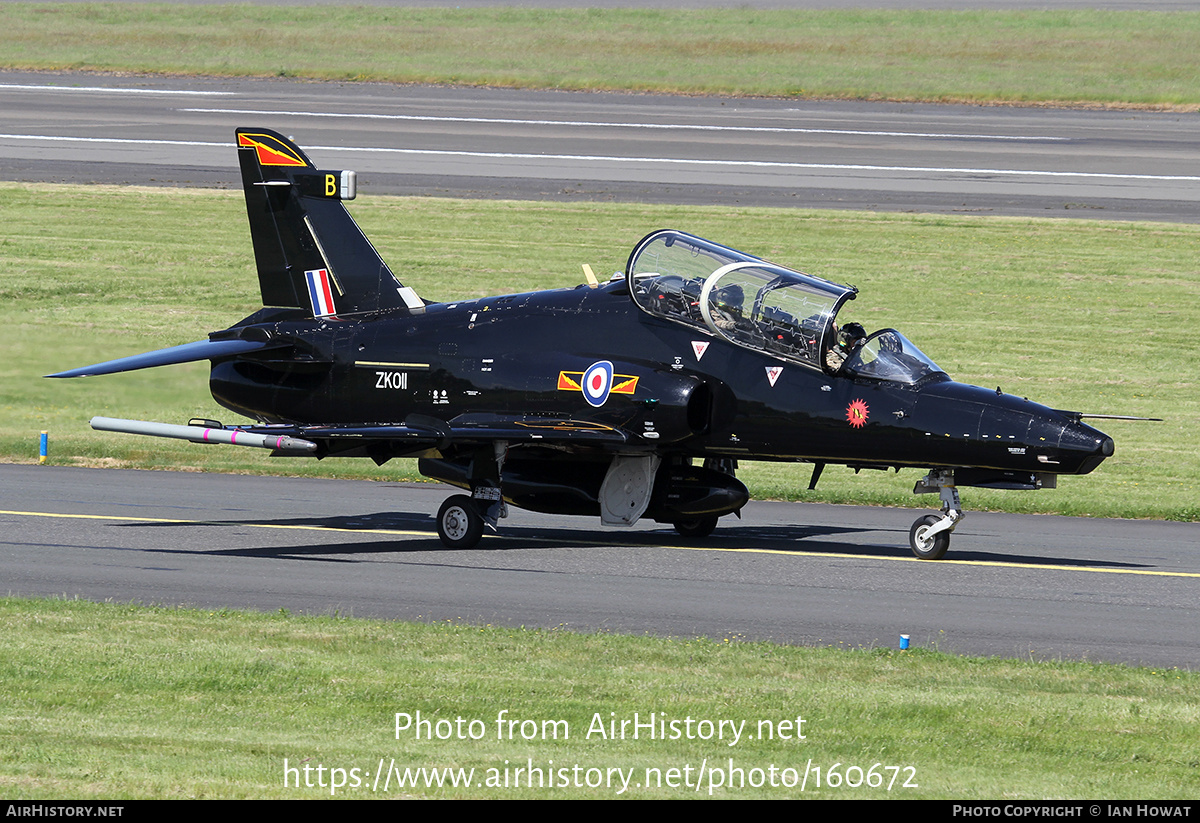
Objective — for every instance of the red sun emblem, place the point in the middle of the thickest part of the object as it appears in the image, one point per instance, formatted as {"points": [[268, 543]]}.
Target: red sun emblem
{"points": [[856, 414]]}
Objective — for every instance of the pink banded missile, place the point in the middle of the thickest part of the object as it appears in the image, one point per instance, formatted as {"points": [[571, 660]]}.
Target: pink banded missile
{"points": [[201, 434]]}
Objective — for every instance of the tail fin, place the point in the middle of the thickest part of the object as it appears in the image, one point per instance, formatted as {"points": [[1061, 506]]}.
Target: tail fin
{"points": [[310, 253]]}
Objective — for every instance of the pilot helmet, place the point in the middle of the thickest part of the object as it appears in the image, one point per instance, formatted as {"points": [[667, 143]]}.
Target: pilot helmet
{"points": [[730, 297], [850, 334]]}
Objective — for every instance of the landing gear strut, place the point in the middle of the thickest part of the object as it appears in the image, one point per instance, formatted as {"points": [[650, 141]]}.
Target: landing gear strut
{"points": [[929, 536], [462, 519]]}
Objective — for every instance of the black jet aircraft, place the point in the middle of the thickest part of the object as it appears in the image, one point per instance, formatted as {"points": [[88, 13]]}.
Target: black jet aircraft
{"points": [[635, 398]]}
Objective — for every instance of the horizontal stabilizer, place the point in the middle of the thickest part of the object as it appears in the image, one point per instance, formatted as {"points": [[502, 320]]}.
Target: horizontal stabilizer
{"points": [[187, 353]]}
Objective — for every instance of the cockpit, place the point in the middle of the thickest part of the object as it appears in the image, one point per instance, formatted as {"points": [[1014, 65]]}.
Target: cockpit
{"points": [[889, 355], [763, 306]]}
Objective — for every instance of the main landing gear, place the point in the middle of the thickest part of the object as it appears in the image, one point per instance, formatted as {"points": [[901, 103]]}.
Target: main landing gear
{"points": [[459, 524], [704, 525], [462, 518], [700, 527], [689, 498], [929, 536]]}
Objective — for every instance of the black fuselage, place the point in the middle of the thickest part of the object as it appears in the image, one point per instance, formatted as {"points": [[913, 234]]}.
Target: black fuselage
{"points": [[524, 354]]}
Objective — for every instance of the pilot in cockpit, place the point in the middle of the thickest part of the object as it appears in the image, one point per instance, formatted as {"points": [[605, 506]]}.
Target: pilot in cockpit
{"points": [[845, 340], [727, 306]]}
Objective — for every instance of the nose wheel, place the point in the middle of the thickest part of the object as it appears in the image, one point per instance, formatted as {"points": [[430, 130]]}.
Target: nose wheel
{"points": [[925, 543], [929, 537]]}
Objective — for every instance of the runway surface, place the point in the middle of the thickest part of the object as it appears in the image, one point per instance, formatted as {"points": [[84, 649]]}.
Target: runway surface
{"points": [[637, 147], [1013, 585]]}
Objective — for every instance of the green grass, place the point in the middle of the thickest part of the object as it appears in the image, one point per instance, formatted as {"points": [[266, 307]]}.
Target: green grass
{"points": [[118, 701], [1081, 56], [1082, 315]]}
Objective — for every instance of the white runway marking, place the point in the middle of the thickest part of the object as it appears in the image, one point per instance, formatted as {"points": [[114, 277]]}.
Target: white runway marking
{"points": [[600, 124], [587, 158], [114, 90]]}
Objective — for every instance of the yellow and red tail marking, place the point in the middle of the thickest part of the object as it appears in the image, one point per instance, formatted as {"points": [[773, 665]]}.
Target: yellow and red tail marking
{"points": [[270, 151]]}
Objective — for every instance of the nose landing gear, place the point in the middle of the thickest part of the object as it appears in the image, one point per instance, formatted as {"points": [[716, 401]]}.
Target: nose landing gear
{"points": [[929, 537]]}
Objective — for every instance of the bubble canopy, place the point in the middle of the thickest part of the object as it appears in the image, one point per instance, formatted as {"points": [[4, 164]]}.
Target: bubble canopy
{"points": [[759, 305], [736, 296]]}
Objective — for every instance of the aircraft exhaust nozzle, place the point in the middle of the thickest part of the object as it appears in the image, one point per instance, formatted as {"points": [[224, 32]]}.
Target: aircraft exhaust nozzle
{"points": [[201, 434]]}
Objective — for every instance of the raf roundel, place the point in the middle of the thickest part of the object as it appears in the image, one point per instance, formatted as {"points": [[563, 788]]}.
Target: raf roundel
{"points": [[597, 382]]}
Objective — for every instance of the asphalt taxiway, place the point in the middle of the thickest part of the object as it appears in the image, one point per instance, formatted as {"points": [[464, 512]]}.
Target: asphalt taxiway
{"points": [[1028, 586]]}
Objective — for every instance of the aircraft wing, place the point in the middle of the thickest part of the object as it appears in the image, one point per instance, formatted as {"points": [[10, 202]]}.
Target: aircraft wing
{"points": [[422, 431], [417, 433]]}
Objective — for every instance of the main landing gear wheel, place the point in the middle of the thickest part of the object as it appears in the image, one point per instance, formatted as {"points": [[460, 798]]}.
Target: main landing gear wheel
{"points": [[700, 527], [459, 524], [924, 545]]}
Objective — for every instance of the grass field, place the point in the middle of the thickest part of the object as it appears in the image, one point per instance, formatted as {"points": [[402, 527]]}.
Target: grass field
{"points": [[1082, 315], [117, 702], [1081, 56]]}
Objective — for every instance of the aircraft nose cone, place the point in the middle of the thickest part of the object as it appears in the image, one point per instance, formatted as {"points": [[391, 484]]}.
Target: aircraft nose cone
{"points": [[1092, 447], [1107, 447]]}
